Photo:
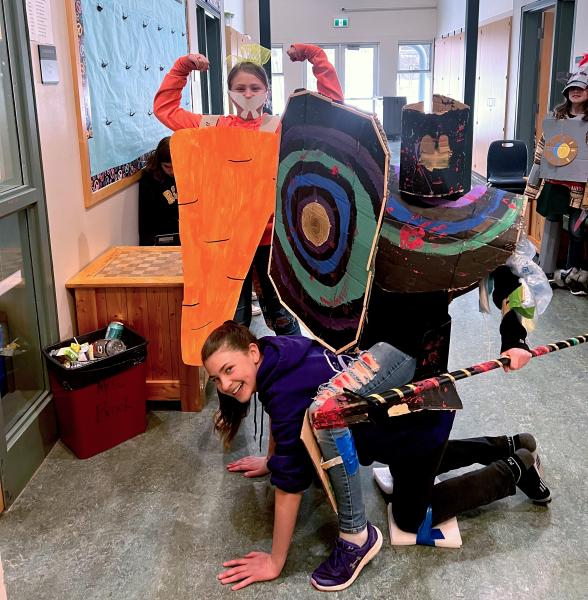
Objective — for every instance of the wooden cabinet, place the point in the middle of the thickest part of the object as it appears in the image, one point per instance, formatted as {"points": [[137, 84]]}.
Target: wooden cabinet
{"points": [[143, 287]]}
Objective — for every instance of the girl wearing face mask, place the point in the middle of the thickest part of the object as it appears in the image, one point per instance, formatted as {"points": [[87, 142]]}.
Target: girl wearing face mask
{"points": [[248, 90]]}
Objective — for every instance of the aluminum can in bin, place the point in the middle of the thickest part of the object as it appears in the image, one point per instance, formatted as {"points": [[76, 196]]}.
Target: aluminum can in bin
{"points": [[114, 330], [103, 348], [115, 347], [99, 347]]}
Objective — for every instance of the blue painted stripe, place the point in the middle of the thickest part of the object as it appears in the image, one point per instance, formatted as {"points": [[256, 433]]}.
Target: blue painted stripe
{"points": [[343, 207]]}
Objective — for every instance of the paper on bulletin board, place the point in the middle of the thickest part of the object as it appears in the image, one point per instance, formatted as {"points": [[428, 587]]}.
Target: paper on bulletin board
{"points": [[40, 21]]}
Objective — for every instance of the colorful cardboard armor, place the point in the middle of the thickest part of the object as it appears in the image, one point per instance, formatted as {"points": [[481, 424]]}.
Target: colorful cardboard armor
{"points": [[565, 156], [438, 237], [331, 191]]}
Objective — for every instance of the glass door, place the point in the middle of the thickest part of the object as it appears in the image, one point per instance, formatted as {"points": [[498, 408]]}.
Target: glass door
{"points": [[360, 77], [356, 66], [27, 297]]}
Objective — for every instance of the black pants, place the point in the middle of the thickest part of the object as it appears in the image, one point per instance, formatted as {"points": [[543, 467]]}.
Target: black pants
{"points": [[276, 316], [578, 231], [414, 490]]}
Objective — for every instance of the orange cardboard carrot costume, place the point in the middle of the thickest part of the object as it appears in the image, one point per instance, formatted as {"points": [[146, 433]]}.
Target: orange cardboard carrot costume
{"points": [[226, 182]]}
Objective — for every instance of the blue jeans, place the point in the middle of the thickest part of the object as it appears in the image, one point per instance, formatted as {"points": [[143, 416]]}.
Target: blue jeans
{"points": [[380, 368]]}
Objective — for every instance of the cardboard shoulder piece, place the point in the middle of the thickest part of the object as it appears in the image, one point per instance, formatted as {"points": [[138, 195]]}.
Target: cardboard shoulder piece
{"points": [[438, 232], [225, 177], [565, 157], [309, 440], [330, 199]]}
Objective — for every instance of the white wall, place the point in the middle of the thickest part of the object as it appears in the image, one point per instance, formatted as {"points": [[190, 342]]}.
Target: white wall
{"points": [[237, 7], [451, 13], [580, 45], [451, 16], [311, 21], [78, 235]]}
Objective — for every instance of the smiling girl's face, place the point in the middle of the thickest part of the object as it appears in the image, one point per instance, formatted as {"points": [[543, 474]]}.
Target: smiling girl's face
{"points": [[234, 372], [578, 95]]}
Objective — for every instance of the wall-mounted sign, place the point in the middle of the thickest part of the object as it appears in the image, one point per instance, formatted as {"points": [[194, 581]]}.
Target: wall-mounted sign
{"points": [[341, 22], [48, 61]]}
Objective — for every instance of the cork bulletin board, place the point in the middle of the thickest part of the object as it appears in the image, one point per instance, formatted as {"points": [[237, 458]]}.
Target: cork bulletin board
{"points": [[120, 52]]}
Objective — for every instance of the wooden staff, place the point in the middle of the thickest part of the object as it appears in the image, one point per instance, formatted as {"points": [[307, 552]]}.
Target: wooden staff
{"points": [[348, 407]]}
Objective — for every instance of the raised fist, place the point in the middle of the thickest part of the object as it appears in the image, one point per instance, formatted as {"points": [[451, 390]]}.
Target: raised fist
{"points": [[297, 52], [196, 62]]}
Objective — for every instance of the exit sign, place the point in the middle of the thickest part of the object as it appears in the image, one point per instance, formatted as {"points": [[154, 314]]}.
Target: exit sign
{"points": [[341, 22]]}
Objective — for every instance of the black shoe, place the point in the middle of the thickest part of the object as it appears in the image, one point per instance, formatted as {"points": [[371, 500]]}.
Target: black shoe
{"points": [[562, 278], [529, 480], [521, 440]]}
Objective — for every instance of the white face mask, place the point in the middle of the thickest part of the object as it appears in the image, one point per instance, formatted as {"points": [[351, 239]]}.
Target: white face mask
{"points": [[248, 108]]}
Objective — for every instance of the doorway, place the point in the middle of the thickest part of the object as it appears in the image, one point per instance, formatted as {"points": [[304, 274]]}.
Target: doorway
{"points": [[546, 48], [28, 316], [209, 43]]}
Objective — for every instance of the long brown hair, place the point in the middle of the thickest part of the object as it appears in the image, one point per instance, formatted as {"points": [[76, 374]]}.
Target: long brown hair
{"points": [[230, 336], [564, 110], [161, 154]]}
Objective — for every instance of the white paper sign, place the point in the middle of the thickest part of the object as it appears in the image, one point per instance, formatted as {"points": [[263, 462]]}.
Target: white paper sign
{"points": [[40, 23]]}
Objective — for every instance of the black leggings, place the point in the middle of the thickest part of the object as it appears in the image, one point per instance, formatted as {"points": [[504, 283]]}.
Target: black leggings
{"points": [[414, 490]]}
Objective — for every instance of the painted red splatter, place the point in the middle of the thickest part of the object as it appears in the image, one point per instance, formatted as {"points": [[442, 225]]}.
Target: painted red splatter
{"points": [[411, 238]]}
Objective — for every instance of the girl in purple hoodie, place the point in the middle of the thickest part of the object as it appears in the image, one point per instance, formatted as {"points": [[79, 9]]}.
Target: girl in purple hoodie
{"points": [[290, 374]]}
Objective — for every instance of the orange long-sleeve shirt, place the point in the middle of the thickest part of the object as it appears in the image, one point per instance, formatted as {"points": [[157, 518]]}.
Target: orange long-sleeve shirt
{"points": [[168, 99]]}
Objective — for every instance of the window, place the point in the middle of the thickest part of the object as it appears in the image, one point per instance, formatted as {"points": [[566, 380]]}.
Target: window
{"points": [[331, 53], [278, 93], [356, 66], [10, 169], [414, 72]]}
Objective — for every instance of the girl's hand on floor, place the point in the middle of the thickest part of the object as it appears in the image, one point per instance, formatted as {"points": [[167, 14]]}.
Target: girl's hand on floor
{"points": [[255, 566], [199, 62], [518, 358], [250, 466]]}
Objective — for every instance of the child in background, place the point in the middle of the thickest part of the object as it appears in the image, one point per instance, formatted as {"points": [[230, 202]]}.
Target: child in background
{"points": [[158, 200], [248, 89], [287, 373], [556, 198]]}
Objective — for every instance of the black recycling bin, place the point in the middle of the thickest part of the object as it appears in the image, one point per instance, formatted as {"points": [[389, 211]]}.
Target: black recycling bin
{"points": [[102, 403]]}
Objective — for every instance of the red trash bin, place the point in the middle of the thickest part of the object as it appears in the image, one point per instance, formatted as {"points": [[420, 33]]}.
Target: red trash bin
{"points": [[103, 403]]}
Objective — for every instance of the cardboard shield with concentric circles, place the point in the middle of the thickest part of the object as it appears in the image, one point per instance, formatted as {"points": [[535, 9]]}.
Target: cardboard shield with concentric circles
{"points": [[565, 157], [331, 193]]}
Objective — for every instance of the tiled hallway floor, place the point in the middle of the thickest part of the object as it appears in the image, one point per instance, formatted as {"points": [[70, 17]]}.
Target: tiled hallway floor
{"points": [[154, 518]]}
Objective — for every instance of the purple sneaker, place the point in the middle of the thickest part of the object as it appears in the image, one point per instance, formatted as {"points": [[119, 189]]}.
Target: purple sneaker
{"points": [[346, 561]]}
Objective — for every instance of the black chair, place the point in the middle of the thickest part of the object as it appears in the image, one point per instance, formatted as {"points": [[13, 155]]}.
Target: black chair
{"points": [[506, 166]]}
